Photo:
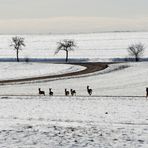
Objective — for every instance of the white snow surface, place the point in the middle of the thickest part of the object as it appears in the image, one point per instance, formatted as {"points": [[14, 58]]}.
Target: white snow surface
{"points": [[97, 46], [15, 70], [124, 79], [36, 122], [119, 120], [116, 114]]}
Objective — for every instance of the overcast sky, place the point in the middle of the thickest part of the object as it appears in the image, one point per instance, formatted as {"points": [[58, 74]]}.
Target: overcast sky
{"points": [[62, 16]]}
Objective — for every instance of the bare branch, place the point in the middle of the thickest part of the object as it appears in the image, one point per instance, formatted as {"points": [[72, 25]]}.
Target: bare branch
{"points": [[17, 43], [66, 45], [136, 50]]}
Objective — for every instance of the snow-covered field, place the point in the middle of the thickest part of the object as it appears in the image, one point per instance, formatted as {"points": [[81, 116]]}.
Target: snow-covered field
{"points": [[73, 122], [102, 46], [124, 79], [116, 115], [14, 70]]}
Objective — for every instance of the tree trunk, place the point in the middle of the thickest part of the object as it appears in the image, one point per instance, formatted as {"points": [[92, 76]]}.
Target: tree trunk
{"points": [[66, 56], [136, 58], [17, 55]]}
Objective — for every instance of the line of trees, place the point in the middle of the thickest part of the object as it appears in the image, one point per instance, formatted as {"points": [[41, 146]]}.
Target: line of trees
{"points": [[135, 50], [65, 45]]}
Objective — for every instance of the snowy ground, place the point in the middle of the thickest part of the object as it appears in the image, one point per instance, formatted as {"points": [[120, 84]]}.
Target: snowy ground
{"points": [[73, 122], [116, 115], [15, 70], [125, 79], [81, 121], [97, 46]]}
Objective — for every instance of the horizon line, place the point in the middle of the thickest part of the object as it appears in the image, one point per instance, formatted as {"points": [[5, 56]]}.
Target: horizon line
{"points": [[68, 33]]}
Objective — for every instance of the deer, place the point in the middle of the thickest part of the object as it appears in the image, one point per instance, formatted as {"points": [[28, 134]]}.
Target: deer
{"points": [[66, 92], [73, 92], [146, 92], [89, 90], [41, 92], [50, 92]]}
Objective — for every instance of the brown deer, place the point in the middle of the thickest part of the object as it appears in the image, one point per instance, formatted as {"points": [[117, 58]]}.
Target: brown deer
{"points": [[73, 92], [89, 90], [66, 92], [50, 92], [41, 92]]}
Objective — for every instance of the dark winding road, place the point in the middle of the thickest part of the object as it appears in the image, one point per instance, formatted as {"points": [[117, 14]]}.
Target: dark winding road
{"points": [[90, 68]]}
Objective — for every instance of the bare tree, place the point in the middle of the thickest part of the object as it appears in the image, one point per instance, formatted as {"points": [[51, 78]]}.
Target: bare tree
{"points": [[17, 43], [66, 45], [136, 50]]}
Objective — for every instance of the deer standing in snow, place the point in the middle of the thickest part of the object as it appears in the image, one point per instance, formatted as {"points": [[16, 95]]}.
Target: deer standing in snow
{"points": [[89, 90], [50, 92], [41, 92], [66, 92], [146, 92], [73, 92]]}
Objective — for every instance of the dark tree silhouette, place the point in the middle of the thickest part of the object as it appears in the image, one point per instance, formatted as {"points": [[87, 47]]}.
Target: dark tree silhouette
{"points": [[17, 43], [66, 45], [136, 50]]}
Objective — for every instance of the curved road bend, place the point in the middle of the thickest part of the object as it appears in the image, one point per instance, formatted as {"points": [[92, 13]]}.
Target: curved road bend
{"points": [[90, 68]]}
